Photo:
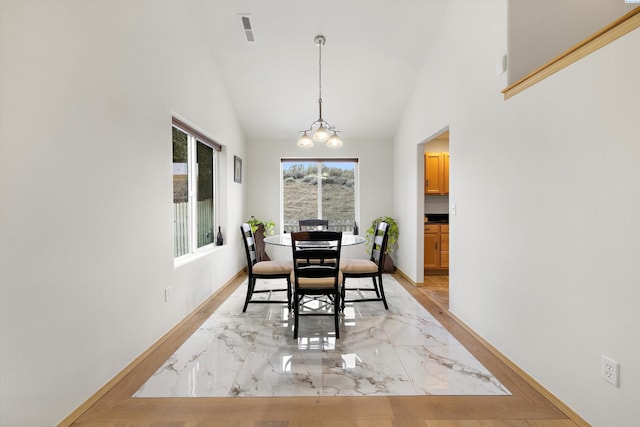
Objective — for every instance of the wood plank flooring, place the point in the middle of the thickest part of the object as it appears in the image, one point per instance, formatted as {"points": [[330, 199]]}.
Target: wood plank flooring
{"points": [[114, 406], [437, 288]]}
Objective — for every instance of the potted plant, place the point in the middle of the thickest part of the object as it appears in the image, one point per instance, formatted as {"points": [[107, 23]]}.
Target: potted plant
{"points": [[392, 240], [260, 229], [269, 226]]}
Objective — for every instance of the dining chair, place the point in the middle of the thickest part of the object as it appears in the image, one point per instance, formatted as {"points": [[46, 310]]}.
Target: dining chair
{"points": [[313, 224], [312, 281], [266, 270], [358, 268]]}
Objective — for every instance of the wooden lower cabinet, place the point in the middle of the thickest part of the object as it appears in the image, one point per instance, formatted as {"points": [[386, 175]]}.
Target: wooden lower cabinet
{"points": [[444, 246], [436, 246], [431, 245]]}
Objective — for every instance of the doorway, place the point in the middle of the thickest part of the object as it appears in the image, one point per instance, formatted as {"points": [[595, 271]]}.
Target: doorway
{"points": [[436, 217]]}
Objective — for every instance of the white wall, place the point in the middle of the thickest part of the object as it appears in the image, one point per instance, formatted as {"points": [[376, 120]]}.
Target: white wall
{"points": [[541, 30], [88, 90], [262, 169], [544, 247]]}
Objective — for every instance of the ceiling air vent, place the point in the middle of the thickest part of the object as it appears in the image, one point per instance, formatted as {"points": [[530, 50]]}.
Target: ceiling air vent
{"points": [[248, 29]]}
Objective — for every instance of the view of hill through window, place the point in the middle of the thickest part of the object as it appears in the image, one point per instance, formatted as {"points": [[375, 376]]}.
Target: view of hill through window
{"points": [[317, 189]]}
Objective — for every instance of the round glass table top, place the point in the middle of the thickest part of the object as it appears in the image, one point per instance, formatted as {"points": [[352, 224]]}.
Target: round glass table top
{"points": [[285, 239]]}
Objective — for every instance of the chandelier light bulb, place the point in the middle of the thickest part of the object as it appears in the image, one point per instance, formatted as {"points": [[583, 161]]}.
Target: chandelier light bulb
{"points": [[305, 141], [334, 141], [321, 134]]}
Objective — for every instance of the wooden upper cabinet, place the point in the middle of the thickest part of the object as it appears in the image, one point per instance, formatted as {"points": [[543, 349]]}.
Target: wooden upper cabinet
{"points": [[436, 173], [445, 172], [432, 172]]}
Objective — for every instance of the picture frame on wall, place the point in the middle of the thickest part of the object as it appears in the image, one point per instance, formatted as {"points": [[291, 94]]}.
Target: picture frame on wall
{"points": [[237, 169]]}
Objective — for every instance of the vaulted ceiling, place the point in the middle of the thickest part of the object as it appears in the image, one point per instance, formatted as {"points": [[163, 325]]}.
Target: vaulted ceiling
{"points": [[373, 53]]}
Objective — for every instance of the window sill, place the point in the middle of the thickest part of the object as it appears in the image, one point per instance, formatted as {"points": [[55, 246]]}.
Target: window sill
{"points": [[201, 253]]}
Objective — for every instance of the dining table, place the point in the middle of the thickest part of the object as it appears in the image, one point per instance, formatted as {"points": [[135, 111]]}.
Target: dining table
{"points": [[285, 239]]}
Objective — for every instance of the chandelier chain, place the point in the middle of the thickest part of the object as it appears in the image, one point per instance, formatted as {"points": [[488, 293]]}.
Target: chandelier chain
{"points": [[320, 79], [320, 129]]}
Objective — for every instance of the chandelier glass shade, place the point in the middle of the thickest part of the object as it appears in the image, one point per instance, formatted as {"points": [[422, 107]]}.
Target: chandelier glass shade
{"points": [[334, 141], [305, 141], [320, 130]]}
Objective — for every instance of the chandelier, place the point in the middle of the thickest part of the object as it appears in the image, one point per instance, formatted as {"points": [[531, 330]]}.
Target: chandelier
{"points": [[320, 130]]}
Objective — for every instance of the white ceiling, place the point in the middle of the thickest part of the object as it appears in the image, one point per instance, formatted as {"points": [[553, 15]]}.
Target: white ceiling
{"points": [[370, 62]]}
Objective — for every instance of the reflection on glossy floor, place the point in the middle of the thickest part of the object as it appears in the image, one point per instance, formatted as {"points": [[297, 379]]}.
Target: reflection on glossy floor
{"points": [[403, 351]]}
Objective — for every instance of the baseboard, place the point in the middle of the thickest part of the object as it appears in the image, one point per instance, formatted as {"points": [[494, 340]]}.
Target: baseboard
{"points": [[408, 279], [73, 416]]}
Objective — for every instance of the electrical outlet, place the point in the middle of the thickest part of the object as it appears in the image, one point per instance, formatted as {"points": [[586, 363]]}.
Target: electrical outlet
{"points": [[166, 294], [610, 371]]}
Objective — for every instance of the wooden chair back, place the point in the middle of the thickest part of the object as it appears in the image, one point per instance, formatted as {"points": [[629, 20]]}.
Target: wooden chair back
{"points": [[316, 278], [379, 246], [313, 224], [249, 246]]}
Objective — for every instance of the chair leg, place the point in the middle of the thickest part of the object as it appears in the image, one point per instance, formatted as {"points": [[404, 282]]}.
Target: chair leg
{"points": [[336, 314], [375, 286], [343, 293], [289, 306], [296, 314], [384, 299], [250, 286]]}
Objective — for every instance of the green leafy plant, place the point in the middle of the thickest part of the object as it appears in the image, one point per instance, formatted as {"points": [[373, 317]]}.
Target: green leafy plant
{"points": [[269, 226], [392, 242]]}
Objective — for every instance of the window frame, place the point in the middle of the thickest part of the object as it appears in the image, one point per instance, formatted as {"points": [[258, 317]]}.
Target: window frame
{"points": [[194, 137], [319, 160]]}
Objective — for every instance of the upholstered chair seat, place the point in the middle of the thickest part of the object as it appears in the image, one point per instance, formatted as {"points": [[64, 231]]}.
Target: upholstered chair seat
{"points": [[315, 283], [272, 267], [351, 266]]}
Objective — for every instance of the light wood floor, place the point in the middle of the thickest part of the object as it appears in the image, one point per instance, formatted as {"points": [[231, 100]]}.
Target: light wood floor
{"points": [[526, 407], [437, 288]]}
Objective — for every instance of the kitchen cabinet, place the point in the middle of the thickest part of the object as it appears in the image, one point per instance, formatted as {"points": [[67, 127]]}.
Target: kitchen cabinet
{"points": [[436, 246], [436, 173], [431, 244], [445, 172], [444, 246]]}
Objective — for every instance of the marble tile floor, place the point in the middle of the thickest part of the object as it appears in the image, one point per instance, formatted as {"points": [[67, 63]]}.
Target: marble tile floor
{"points": [[403, 351]]}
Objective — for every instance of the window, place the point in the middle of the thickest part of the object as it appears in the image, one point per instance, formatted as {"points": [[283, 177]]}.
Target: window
{"points": [[194, 207], [319, 188]]}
